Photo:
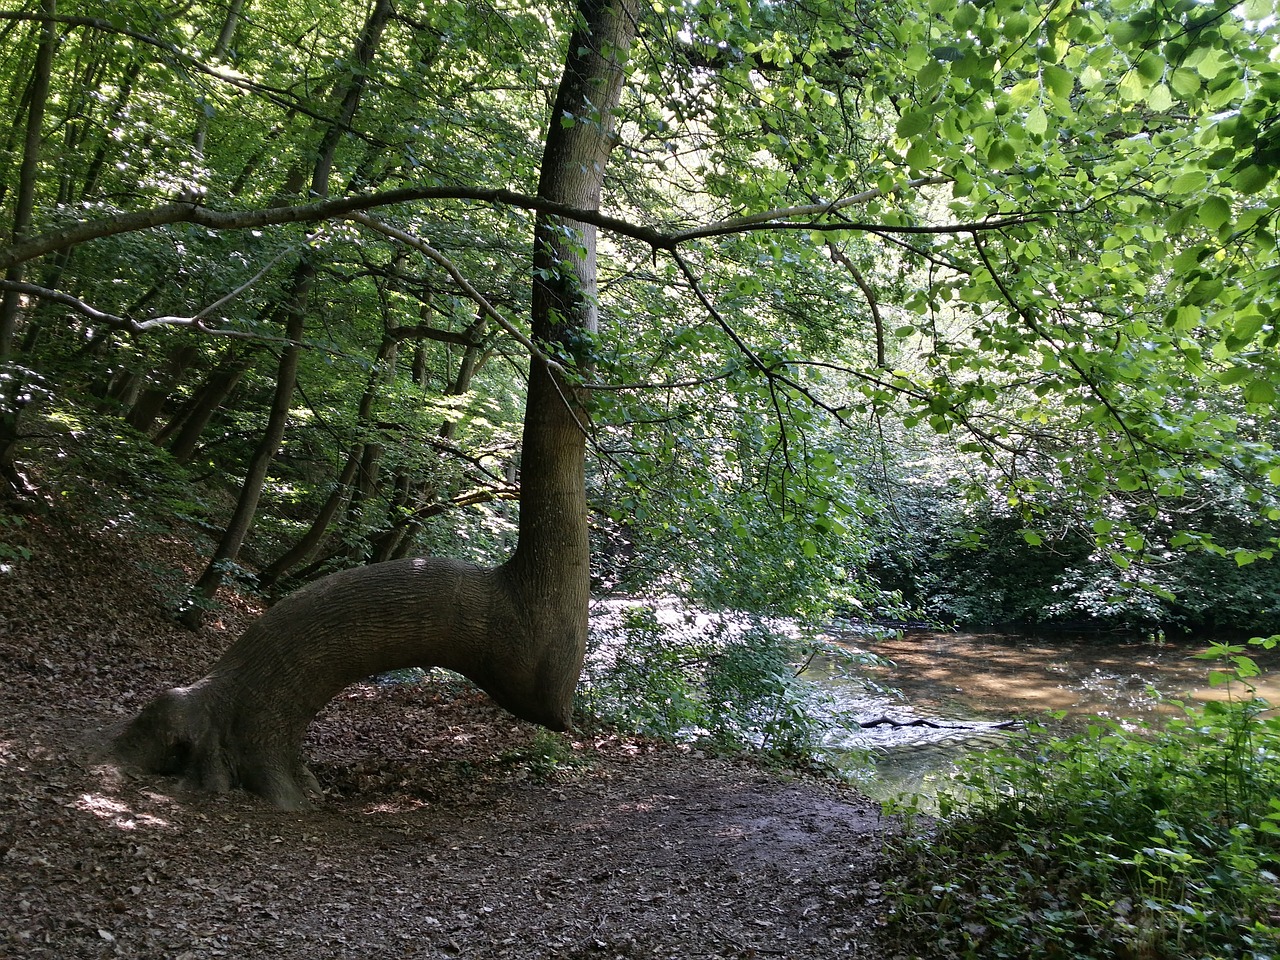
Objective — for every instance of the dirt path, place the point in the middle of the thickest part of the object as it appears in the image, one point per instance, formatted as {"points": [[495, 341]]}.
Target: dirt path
{"points": [[448, 829]]}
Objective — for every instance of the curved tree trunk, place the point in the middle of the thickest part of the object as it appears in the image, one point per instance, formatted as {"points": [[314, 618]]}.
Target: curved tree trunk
{"points": [[242, 724], [518, 630]]}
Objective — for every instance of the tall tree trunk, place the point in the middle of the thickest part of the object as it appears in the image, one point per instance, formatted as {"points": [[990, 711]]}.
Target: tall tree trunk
{"points": [[241, 522], [156, 393], [403, 523], [13, 387], [312, 540], [187, 425], [518, 630], [219, 51]]}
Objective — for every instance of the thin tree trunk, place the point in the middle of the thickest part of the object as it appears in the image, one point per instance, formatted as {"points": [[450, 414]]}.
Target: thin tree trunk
{"points": [[147, 407], [241, 522], [25, 203], [314, 538], [183, 431], [78, 114], [220, 48], [228, 549], [24, 208], [397, 538], [99, 161]]}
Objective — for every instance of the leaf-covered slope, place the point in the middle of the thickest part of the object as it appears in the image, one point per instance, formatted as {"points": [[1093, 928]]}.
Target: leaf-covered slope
{"points": [[448, 828]]}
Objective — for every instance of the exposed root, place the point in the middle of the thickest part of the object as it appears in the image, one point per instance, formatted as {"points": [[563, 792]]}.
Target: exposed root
{"points": [[178, 734]]}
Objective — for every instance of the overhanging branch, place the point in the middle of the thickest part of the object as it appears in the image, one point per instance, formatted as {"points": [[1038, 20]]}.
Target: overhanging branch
{"points": [[435, 256], [194, 211]]}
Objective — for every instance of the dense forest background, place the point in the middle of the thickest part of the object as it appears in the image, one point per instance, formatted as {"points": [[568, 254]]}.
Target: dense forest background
{"points": [[963, 313]]}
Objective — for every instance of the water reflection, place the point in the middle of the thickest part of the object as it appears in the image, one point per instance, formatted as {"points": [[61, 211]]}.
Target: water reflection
{"points": [[978, 680]]}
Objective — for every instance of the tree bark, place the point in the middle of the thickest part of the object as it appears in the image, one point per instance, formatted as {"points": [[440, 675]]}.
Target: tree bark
{"points": [[187, 425], [25, 203], [518, 630], [241, 520], [142, 415]]}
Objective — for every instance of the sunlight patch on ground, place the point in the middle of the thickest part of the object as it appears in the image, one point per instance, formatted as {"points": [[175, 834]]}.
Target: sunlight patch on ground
{"points": [[404, 805], [118, 814]]}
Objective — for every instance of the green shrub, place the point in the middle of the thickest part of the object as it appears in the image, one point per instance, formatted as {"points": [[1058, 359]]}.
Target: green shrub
{"points": [[9, 551], [729, 683]]}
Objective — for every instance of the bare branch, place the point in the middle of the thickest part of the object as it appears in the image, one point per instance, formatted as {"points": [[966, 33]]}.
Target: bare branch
{"points": [[222, 301], [770, 217], [839, 257], [124, 323], [435, 256]]}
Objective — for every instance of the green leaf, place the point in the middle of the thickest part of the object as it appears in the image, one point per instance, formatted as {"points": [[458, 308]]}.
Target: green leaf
{"points": [[1150, 67], [1247, 326], [1159, 99], [1016, 25], [1190, 182], [1214, 212], [1213, 63], [1260, 391], [1037, 123], [1132, 87], [914, 122], [1235, 375], [1252, 179], [1023, 91], [1058, 80], [1002, 155], [916, 57], [1185, 82]]}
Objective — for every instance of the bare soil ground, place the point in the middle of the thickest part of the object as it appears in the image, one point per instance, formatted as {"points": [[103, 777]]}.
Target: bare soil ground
{"points": [[448, 828]]}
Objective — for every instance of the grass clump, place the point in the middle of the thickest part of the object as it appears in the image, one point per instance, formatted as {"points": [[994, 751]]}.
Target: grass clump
{"points": [[1109, 844]]}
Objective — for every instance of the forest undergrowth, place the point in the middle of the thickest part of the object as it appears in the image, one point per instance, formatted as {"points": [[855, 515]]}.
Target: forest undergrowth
{"points": [[1112, 843]]}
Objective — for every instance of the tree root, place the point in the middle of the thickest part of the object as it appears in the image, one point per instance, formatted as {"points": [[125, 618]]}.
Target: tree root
{"points": [[181, 733]]}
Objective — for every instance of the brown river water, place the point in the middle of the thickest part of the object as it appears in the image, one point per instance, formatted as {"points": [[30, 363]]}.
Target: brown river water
{"points": [[969, 682]]}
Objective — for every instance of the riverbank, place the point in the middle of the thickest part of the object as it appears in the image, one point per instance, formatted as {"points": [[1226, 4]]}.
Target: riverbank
{"points": [[448, 829]]}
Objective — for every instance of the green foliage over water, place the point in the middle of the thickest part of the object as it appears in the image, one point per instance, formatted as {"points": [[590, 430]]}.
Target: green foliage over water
{"points": [[727, 682]]}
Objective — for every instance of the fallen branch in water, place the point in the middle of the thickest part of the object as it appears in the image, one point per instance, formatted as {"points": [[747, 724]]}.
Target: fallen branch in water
{"points": [[889, 721]]}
